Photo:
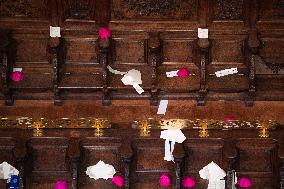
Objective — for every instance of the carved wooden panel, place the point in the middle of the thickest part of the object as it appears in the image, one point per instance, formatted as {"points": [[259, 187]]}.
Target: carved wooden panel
{"points": [[23, 8], [41, 149], [178, 51], [227, 50], [271, 10], [81, 76], [263, 165], [80, 9], [129, 51], [150, 155], [27, 45], [156, 10], [74, 52], [7, 146], [272, 50], [228, 10]]}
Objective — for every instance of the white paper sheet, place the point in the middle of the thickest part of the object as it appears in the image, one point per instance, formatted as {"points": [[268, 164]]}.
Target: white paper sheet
{"points": [[100, 170], [225, 72], [172, 73], [202, 33], [162, 109], [17, 69], [54, 31]]}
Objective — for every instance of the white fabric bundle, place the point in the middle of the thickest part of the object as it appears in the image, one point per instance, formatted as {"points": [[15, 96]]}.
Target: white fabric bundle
{"points": [[214, 174], [132, 77], [171, 136], [100, 170], [7, 170]]}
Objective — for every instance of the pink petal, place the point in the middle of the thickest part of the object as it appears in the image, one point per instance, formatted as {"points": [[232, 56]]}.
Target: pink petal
{"points": [[17, 76], [188, 182], [245, 182], [104, 33], [183, 73], [118, 181], [61, 184], [165, 180]]}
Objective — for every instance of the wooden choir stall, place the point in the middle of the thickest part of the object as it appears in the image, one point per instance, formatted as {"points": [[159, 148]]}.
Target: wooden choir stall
{"points": [[89, 87]]}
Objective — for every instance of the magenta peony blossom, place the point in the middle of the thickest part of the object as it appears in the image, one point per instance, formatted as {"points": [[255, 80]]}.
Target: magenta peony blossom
{"points": [[244, 182], [61, 184], [104, 33], [17, 76], [165, 180], [183, 73], [188, 182], [118, 181]]}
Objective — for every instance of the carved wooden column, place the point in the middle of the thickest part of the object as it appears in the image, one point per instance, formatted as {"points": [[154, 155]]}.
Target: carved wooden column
{"points": [[54, 50], [5, 55], [251, 50], [104, 47], [202, 49], [154, 56], [179, 155]]}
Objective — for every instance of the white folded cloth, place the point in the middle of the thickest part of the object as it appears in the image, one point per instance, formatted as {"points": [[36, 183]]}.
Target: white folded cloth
{"points": [[100, 170], [171, 136], [6, 170]]}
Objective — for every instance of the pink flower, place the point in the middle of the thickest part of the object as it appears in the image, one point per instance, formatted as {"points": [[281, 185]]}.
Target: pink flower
{"points": [[165, 180], [230, 118], [245, 182], [118, 181], [183, 73], [61, 184], [104, 33], [17, 76], [188, 182]]}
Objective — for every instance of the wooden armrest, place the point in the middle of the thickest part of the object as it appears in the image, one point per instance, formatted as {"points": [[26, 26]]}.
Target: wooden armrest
{"points": [[126, 152], [178, 152], [230, 153], [104, 43]]}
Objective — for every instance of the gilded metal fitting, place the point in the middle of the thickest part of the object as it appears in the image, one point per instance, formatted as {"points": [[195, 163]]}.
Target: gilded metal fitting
{"points": [[203, 129]]}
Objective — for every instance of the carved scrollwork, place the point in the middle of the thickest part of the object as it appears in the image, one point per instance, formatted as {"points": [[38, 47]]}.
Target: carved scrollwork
{"points": [[173, 9], [280, 5], [80, 9], [229, 10], [21, 8], [158, 7]]}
